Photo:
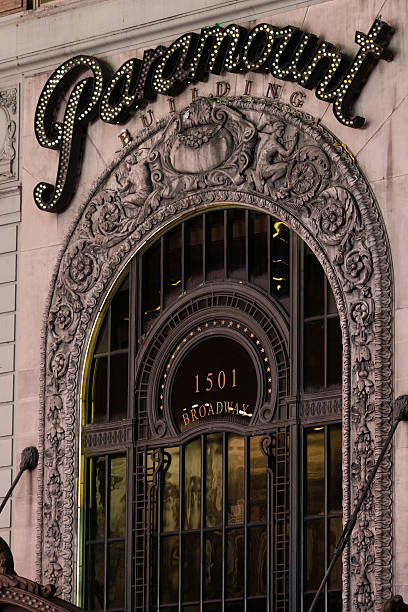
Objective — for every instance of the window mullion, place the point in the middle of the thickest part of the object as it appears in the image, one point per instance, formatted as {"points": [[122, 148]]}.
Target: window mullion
{"points": [[204, 247], [202, 515], [326, 520], [224, 510], [246, 489], [247, 262], [226, 244], [325, 355], [181, 518], [107, 480]]}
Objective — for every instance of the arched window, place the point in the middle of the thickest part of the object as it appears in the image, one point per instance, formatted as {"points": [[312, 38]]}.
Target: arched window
{"points": [[218, 366]]}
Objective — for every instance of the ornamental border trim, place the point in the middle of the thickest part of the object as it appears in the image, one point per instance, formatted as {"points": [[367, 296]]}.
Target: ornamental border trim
{"points": [[277, 160]]}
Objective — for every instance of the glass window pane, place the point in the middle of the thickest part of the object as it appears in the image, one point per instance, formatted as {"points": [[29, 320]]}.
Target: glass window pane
{"points": [[213, 565], [313, 360], [236, 489], [97, 498], [99, 384], [171, 487], [120, 317], [192, 485], [256, 605], [315, 549], [235, 606], [313, 285], [236, 244], [96, 576], [334, 352], [215, 245], [172, 265], [191, 567], [102, 342], [335, 501], [214, 480], [258, 249], [169, 569], [118, 386], [235, 570], [308, 602], [117, 574], [280, 260], [151, 276], [331, 302], [117, 505], [315, 471], [257, 482], [335, 530], [257, 567], [335, 603], [193, 264]]}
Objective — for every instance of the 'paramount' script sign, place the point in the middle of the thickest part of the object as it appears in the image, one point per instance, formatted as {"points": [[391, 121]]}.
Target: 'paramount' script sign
{"points": [[286, 53]]}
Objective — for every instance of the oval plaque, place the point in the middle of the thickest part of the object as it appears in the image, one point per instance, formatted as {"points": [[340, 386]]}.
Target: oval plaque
{"points": [[215, 381]]}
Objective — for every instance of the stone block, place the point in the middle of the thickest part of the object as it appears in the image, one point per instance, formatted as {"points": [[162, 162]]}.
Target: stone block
{"points": [[8, 238], [9, 203], [6, 420], [8, 268], [6, 388], [7, 298], [6, 357], [7, 328], [5, 481], [6, 452]]}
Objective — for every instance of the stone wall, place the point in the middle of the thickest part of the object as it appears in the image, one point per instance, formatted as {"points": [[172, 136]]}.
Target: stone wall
{"points": [[9, 239], [117, 32]]}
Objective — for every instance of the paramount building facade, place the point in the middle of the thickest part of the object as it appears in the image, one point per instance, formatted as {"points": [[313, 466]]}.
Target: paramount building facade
{"points": [[203, 304]]}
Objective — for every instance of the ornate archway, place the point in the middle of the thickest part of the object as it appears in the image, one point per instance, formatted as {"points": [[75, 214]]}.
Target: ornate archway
{"points": [[262, 155]]}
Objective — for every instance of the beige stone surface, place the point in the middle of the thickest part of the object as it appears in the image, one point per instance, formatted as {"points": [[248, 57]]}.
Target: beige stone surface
{"points": [[381, 149]]}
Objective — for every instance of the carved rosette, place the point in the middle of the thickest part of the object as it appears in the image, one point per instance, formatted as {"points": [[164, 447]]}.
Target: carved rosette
{"points": [[264, 155]]}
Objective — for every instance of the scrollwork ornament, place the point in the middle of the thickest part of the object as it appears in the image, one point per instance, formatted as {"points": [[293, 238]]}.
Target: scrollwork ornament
{"points": [[306, 182], [335, 215], [355, 264], [80, 268]]}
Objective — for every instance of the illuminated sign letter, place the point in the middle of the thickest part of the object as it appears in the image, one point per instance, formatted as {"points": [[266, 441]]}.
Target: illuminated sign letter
{"points": [[169, 76], [218, 48], [130, 87], [67, 135]]}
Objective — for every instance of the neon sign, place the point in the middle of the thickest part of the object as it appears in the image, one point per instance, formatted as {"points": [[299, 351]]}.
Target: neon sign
{"points": [[286, 53]]}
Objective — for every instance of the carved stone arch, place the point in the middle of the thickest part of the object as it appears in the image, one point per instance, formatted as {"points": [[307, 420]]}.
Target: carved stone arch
{"points": [[263, 155]]}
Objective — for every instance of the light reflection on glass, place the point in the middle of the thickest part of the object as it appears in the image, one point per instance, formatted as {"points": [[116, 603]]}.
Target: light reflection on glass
{"points": [[192, 485], [236, 489]]}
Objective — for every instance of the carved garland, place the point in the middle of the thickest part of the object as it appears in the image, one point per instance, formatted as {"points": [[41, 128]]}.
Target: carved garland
{"points": [[264, 155]]}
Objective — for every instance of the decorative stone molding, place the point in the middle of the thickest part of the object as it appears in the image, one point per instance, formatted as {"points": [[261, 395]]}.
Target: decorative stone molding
{"points": [[316, 408], [112, 436], [262, 155], [21, 593], [8, 113]]}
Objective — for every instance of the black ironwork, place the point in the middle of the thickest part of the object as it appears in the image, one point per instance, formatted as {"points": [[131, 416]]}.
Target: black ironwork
{"points": [[401, 406], [29, 461], [246, 293]]}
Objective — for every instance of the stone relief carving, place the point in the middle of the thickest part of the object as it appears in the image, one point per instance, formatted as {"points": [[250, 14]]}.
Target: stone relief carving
{"points": [[17, 592], [8, 111], [264, 155]]}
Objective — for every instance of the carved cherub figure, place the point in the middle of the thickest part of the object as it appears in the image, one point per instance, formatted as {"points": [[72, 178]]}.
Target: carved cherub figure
{"points": [[269, 169], [133, 180]]}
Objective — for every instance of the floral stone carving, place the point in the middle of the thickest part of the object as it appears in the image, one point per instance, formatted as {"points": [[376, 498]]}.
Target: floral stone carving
{"points": [[264, 155]]}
